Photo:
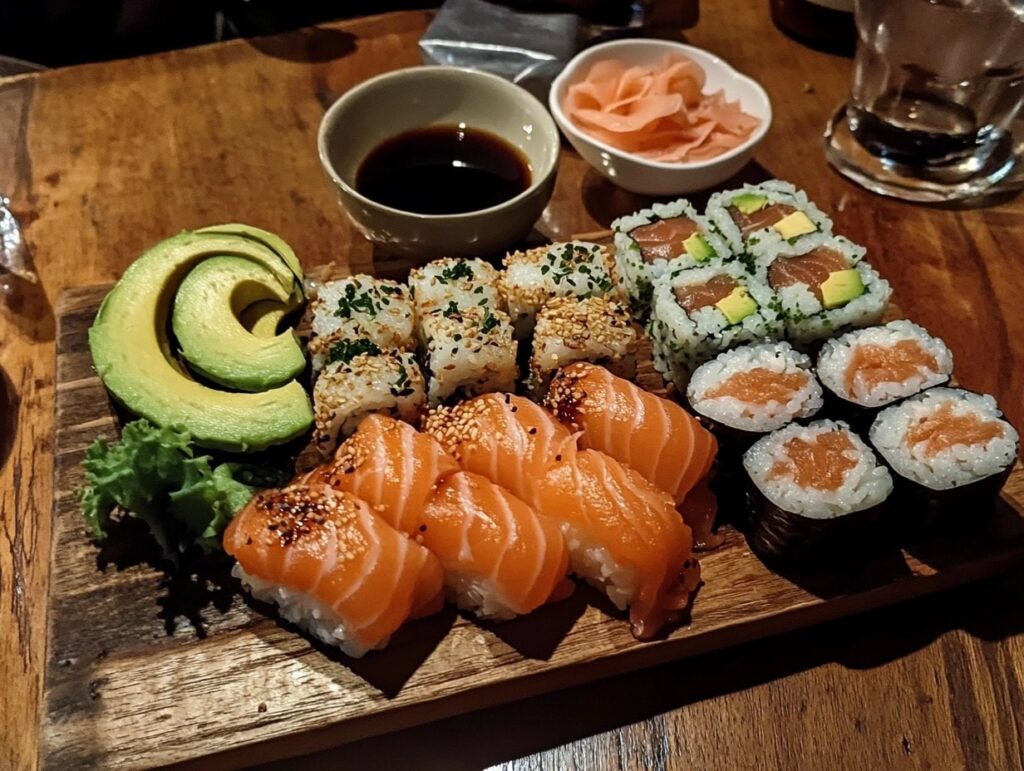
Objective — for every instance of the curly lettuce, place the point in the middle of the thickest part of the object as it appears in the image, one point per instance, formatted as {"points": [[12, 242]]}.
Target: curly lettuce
{"points": [[153, 474]]}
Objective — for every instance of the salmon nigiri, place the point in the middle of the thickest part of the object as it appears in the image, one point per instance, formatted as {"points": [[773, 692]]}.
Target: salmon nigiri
{"points": [[655, 436], [625, 537], [331, 566], [391, 466], [506, 438], [500, 558]]}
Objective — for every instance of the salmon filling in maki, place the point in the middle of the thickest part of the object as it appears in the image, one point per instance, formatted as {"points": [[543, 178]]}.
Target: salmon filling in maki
{"points": [[764, 217], [821, 462], [760, 386], [693, 297], [876, 364], [664, 239], [811, 269]]}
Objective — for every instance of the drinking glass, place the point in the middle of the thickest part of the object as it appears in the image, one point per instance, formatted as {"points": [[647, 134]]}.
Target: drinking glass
{"points": [[937, 89]]}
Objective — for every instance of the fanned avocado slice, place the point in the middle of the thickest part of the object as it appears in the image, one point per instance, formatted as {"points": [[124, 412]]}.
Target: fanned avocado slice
{"points": [[212, 337], [270, 240], [263, 317], [132, 352]]}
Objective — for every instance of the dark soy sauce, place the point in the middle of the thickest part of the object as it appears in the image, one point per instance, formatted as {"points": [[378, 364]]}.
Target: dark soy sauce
{"points": [[443, 170]]}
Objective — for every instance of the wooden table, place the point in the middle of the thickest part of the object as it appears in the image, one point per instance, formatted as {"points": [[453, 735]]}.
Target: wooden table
{"points": [[102, 160]]}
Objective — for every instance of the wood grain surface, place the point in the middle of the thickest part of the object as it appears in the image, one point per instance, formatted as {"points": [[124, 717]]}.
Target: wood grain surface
{"points": [[102, 160], [135, 653]]}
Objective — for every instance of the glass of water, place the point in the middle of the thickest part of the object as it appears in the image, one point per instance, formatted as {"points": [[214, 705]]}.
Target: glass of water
{"points": [[938, 87]]}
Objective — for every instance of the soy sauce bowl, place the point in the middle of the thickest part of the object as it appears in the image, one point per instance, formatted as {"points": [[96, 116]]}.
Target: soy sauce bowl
{"points": [[396, 102]]}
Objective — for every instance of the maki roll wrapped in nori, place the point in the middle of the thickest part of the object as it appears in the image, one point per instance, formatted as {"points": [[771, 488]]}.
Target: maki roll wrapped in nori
{"points": [[699, 312], [756, 217], [815, 489], [752, 390], [645, 243], [868, 369], [570, 269], [951, 451]]}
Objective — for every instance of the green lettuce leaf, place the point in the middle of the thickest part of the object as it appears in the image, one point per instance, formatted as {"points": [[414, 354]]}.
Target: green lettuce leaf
{"points": [[153, 474]]}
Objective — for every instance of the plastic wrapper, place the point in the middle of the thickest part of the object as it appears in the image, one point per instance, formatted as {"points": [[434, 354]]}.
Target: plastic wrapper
{"points": [[14, 258], [529, 49]]}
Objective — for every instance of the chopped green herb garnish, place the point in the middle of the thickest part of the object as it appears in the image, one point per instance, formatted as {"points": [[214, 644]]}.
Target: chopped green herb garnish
{"points": [[456, 271], [346, 350]]}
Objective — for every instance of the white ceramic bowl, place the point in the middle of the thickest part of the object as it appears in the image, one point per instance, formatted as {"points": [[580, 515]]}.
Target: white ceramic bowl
{"points": [[641, 175], [399, 101]]}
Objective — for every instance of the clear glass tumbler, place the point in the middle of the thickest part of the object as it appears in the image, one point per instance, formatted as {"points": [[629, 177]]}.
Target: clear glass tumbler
{"points": [[937, 88]]}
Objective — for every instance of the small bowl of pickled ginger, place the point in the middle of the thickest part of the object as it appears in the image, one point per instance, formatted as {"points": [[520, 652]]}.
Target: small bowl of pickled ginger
{"points": [[658, 117]]}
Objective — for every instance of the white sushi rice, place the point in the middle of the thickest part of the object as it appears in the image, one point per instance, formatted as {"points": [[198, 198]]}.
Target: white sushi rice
{"points": [[807, 320], [594, 563], [779, 358], [305, 611], [957, 465], [865, 485], [776, 191], [636, 273], [465, 282], [593, 329], [682, 341], [478, 594], [346, 392], [468, 352], [363, 306], [834, 363], [570, 269]]}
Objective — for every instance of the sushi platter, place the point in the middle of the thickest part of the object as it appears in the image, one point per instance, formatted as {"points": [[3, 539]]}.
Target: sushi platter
{"points": [[147, 665]]}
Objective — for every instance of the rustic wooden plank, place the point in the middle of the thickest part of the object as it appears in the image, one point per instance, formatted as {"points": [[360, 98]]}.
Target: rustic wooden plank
{"points": [[130, 648]]}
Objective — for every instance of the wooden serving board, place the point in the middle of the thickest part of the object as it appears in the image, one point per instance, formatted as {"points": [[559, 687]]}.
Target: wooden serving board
{"points": [[145, 669]]}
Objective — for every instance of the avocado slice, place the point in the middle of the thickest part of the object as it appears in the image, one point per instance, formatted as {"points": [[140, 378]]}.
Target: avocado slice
{"points": [[212, 338], [270, 240], [795, 224], [132, 354], [737, 305], [698, 248], [748, 203], [840, 287], [263, 317]]}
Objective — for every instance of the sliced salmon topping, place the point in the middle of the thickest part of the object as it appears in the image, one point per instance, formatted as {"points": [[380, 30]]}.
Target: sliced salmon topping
{"points": [[478, 530], [762, 218], [945, 428], [760, 386], [696, 296], [652, 435], [821, 463], [328, 544], [664, 239], [872, 365], [811, 269]]}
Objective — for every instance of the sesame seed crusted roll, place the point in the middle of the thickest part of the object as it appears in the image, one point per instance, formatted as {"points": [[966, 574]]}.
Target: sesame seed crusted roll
{"points": [[464, 282], [572, 269], [362, 306], [467, 351], [348, 391], [592, 329]]}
